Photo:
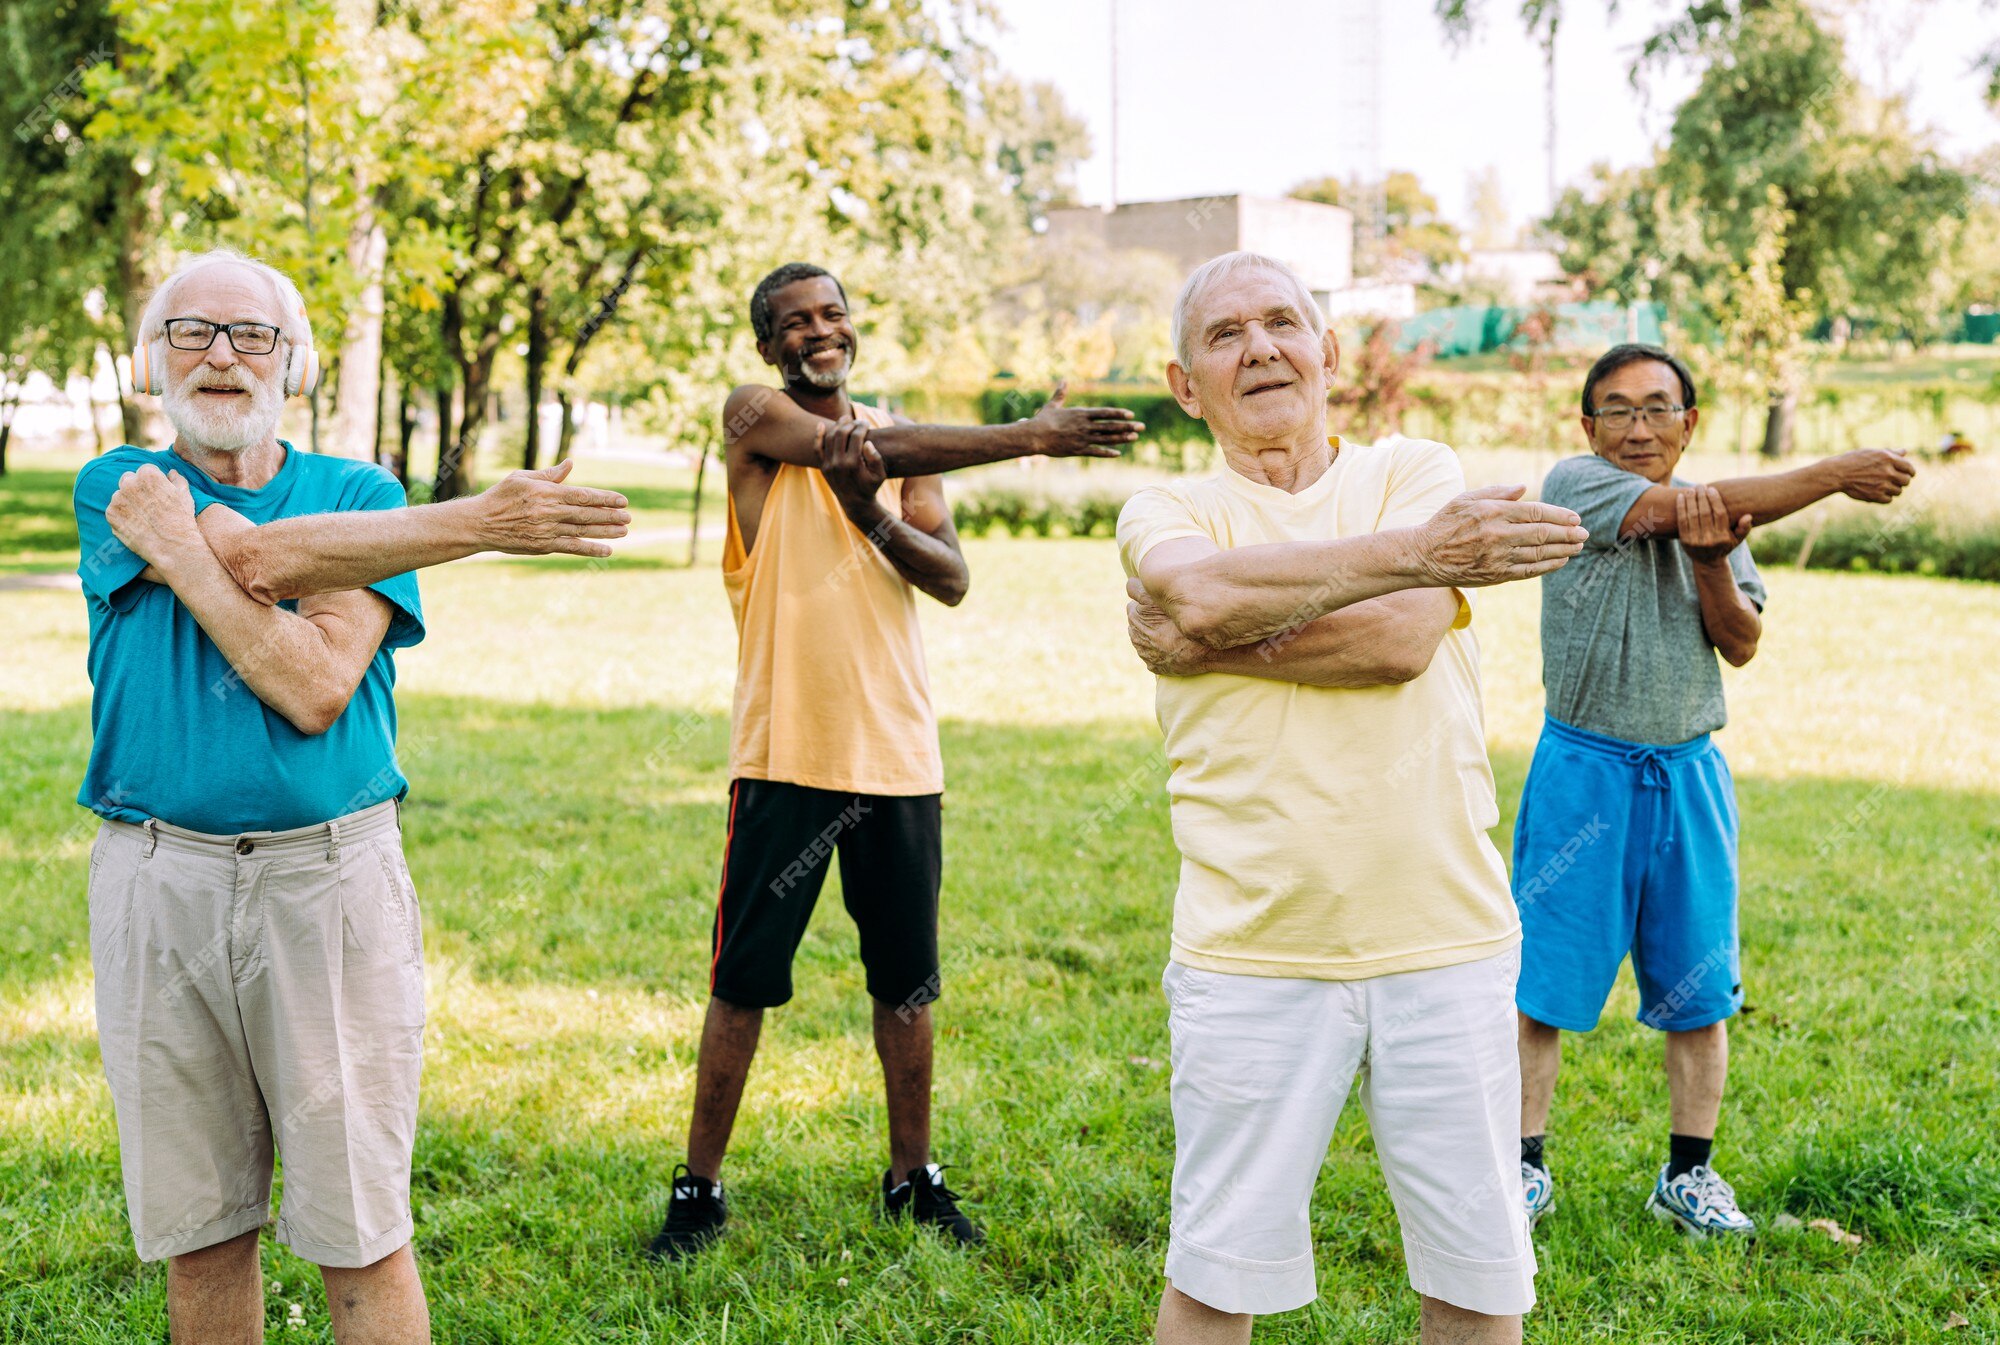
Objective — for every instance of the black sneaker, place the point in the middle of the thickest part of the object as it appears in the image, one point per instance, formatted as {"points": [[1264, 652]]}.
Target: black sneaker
{"points": [[696, 1213], [930, 1201]]}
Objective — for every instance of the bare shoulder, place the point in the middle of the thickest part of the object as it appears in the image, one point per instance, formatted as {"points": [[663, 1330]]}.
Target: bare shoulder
{"points": [[747, 404]]}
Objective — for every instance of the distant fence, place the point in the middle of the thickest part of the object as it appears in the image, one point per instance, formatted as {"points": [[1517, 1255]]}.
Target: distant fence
{"points": [[1478, 328]]}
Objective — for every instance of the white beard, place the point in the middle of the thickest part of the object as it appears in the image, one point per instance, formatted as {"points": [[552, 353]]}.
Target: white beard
{"points": [[223, 429], [829, 379]]}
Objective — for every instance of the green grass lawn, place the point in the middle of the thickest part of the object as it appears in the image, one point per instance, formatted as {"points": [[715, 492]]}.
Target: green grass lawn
{"points": [[565, 727]]}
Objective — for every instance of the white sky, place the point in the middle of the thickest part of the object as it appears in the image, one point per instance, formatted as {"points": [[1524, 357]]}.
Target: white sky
{"points": [[1245, 95]]}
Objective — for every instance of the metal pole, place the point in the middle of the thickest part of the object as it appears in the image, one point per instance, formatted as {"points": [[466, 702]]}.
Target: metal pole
{"points": [[1113, 203]]}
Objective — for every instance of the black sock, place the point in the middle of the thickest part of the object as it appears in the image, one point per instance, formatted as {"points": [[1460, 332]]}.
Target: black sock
{"points": [[1531, 1151], [1686, 1151]]}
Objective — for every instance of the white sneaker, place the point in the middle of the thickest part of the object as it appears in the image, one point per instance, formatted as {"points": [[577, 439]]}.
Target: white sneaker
{"points": [[1699, 1203], [1539, 1189]]}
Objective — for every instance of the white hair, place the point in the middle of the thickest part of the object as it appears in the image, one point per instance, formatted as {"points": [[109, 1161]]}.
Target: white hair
{"points": [[295, 328], [1228, 264]]}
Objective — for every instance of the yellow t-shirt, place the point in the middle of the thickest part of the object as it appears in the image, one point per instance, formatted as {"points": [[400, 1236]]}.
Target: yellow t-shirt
{"points": [[1328, 834], [831, 689]]}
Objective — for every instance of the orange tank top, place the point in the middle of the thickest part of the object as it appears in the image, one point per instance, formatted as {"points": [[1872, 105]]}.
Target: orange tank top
{"points": [[831, 688]]}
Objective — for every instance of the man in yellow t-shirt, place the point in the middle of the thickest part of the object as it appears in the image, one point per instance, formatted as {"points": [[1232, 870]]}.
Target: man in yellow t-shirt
{"points": [[1341, 911], [836, 517]]}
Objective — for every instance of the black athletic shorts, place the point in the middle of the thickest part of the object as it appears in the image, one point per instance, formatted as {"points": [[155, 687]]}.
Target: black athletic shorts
{"points": [[782, 839]]}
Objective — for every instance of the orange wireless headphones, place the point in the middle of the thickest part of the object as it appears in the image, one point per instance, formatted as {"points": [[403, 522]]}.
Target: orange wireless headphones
{"points": [[149, 368]]}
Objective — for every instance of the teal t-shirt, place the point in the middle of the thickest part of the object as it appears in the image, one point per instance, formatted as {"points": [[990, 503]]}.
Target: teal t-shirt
{"points": [[1624, 653], [176, 734]]}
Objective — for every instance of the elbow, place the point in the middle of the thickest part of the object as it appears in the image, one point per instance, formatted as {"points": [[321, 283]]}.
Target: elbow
{"points": [[247, 565], [316, 714], [1199, 620], [1402, 664], [951, 592], [1738, 655]]}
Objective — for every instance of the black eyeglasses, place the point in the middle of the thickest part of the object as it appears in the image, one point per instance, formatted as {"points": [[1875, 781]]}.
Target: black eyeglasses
{"points": [[245, 338], [1621, 417]]}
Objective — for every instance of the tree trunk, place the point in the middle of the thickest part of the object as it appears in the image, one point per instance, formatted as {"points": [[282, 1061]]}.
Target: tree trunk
{"points": [[694, 510], [136, 232], [1779, 416], [6, 433], [357, 400], [444, 423], [538, 365], [406, 429], [454, 473], [568, 430]]}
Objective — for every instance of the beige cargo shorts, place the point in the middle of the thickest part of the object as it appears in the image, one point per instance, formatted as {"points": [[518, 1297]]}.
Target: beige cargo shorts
{"points": [[261, 994]]}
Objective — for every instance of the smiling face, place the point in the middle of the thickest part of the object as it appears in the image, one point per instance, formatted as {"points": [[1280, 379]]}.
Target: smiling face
{"points": [[812, 340], [1643, 447], [1256, 370], [217, 399]]}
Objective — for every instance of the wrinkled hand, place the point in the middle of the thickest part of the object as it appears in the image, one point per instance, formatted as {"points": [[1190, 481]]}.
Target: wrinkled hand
{"points": [[535, 514], [1060, 431], [152, 512], [1702, 520], [1161, 645], [1876, 475], [851, 465], [1491, 536]]}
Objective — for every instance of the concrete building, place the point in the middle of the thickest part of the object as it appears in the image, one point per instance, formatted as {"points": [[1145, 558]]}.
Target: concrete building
{"points": [[1316, 240]]}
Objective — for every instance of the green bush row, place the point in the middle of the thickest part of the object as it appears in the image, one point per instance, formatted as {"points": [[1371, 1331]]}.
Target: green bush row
{"points": [[1912, 546]]}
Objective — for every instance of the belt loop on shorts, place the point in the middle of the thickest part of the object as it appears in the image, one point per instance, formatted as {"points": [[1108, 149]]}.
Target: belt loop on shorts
{"points": [[333, 840], [152, 838]]}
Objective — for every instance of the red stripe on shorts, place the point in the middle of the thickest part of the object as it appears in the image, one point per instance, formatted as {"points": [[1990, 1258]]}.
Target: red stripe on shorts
{"points": [[728, 840]]}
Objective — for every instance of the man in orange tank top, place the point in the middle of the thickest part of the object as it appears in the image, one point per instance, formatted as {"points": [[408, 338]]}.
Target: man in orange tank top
{"points": [[836, 516]]}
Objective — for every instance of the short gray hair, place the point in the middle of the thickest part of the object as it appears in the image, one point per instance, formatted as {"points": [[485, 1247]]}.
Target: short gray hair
{"points": [[296, 327], [1210, 272]]}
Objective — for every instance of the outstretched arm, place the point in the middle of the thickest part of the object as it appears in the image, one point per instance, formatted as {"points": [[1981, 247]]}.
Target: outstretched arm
{"points": [[765, 423], [1227, 598], [1876, 475], [922, 543], [526, 513], [305, 664], [1377, 642]]}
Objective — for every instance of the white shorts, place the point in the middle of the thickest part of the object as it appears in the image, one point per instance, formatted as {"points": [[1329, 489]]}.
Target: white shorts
{"points": [[1262, 1065]]}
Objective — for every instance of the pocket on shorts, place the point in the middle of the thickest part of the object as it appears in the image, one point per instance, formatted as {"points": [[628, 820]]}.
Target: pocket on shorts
{"points": [[108, 892]]}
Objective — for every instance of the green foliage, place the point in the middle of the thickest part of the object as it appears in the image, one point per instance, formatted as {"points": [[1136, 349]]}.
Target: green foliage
{"points": [[1166, 423], [1415, 236]]}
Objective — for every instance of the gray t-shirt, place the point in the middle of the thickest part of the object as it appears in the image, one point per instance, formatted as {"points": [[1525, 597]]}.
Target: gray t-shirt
{"points": [[1623, 650]]}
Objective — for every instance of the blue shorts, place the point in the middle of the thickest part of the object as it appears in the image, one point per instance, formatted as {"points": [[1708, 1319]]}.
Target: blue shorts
{"points": [[1626, 847]]}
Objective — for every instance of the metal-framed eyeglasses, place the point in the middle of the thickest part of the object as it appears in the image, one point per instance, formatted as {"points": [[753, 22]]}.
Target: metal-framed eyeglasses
{"points": [[1618, 418]]}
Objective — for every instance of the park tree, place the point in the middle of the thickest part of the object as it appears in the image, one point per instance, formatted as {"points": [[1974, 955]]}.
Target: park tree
{"points": [[1416, 237], [242, 122]]}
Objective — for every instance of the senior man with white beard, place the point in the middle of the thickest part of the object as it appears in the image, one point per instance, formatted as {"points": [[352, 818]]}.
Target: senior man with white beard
{"points": [[1341, 912], [253, 927]]}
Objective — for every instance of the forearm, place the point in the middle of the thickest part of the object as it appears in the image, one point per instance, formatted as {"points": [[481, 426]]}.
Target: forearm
{"points": [[1381, 642], [1239, 596], [331, 553], [277, 654], [925, 561], [1764, 498], [1729, 619], [924, 450]]}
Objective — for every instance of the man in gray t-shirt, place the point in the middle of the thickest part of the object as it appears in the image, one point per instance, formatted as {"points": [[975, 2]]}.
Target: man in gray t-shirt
{"points": [[1624, 650], [1625, 841]]}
